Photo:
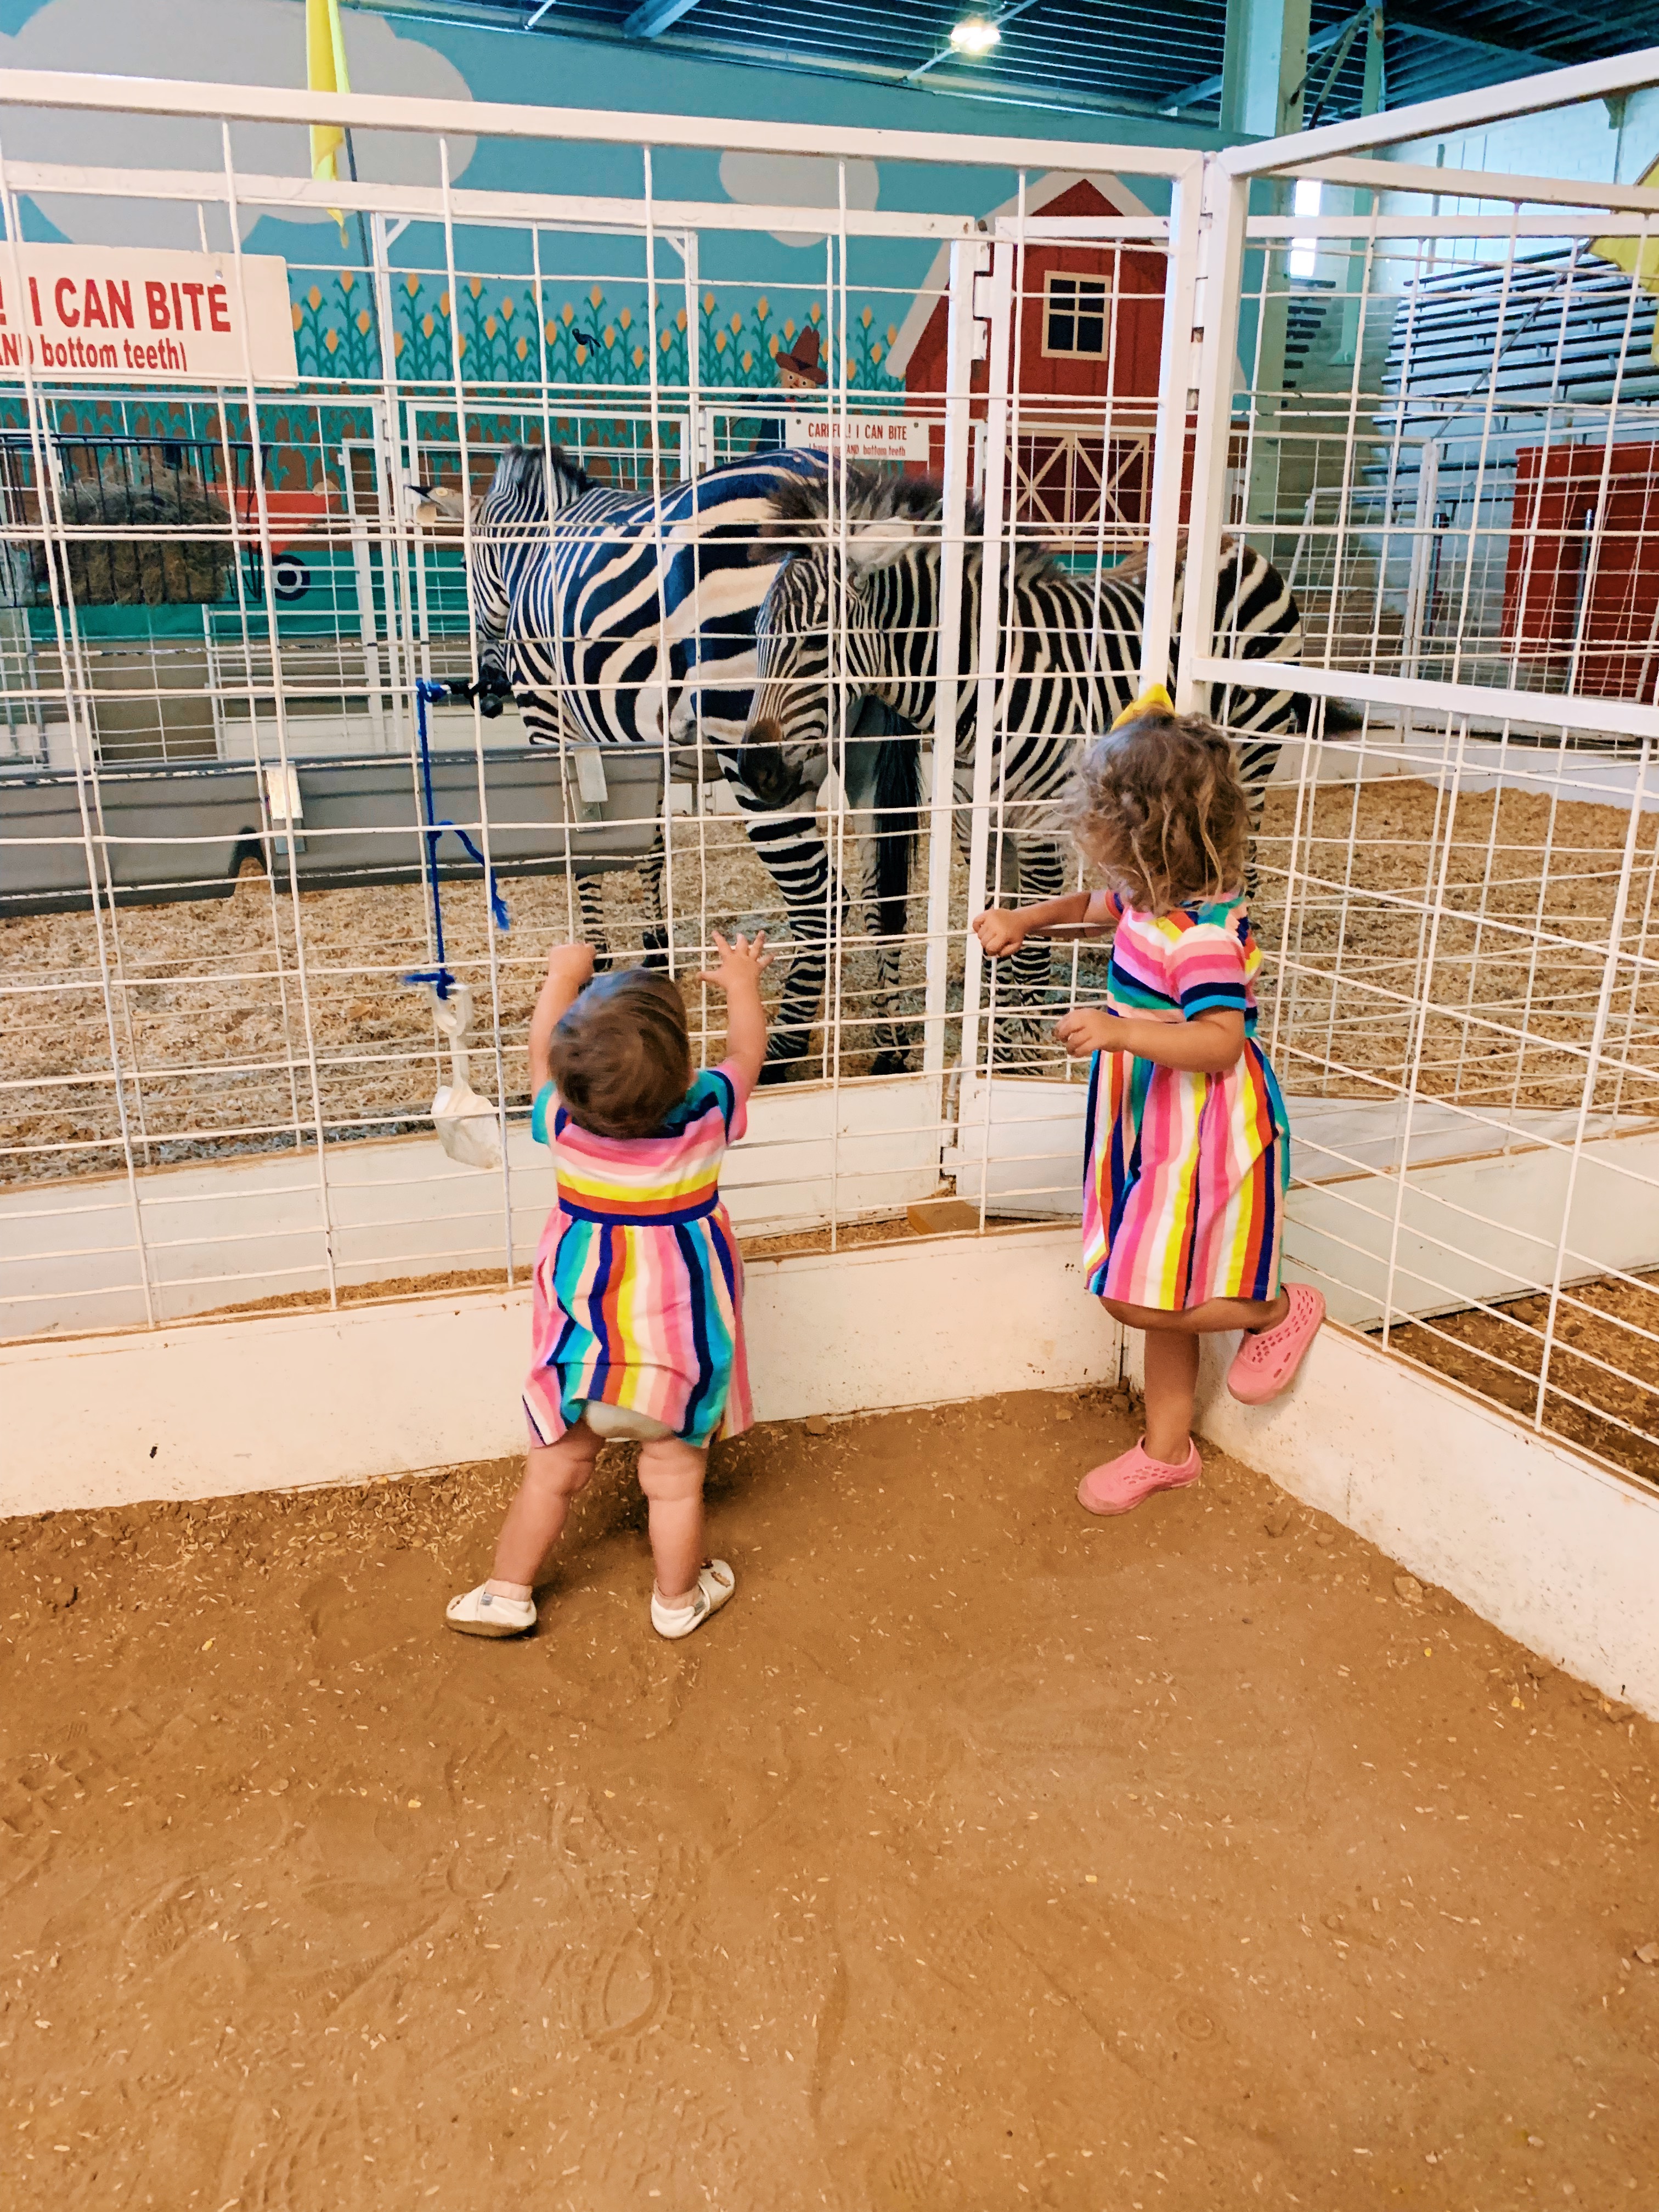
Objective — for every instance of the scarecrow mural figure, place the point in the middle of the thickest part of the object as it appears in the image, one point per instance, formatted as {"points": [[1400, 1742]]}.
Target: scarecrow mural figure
{"points": [[800, 369]]}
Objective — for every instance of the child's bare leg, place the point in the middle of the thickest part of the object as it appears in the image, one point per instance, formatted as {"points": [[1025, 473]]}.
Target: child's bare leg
{"points": [[1171, 1388], [1172, 1360], [1217, 1316], [1214, 1318], [553, 1475], [671, 1475]]}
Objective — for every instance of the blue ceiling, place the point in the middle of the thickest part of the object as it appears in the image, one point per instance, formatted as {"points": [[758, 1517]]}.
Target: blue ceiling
{"points": [[1124, 56]]}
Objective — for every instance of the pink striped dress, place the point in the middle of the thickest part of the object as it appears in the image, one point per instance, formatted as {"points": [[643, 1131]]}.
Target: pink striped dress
{"points": [[639, 1276], [1185, 1175]]}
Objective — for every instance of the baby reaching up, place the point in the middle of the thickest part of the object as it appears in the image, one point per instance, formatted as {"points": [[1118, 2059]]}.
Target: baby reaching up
{"points": [[638, 1309]]}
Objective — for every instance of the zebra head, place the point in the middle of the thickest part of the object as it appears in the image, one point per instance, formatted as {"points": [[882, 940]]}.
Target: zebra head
{"points": [[510, 530], [821, 620]]}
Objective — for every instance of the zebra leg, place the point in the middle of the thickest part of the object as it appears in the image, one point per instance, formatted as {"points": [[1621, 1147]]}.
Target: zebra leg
{"points": [[882, 778], [1019, 1036], [653, 934], [1041, 876], [1257, 759], [889, 1036], [591, 907], [796, 858]]}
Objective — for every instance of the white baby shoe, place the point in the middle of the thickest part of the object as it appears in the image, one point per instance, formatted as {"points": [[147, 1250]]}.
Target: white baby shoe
{"points": [[482, 1612], [714, 1586]]}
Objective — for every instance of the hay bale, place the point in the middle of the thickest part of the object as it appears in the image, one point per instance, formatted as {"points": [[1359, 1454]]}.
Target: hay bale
{"points": [[135, 491]]}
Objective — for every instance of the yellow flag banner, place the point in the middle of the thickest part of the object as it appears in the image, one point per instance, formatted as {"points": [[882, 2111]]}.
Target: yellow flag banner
{"points": [[1637, 257], [326, 71]]}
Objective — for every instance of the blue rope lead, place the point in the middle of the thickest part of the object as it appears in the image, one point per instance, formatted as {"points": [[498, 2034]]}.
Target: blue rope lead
{"points": [[432, 832]]}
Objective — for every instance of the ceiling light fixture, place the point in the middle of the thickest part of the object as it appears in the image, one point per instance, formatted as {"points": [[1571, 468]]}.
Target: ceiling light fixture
{"points": [[975, 35]]}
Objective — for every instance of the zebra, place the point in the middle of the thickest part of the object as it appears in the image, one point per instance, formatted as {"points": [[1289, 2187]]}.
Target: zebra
{"points": [[617, 619], [1069, 663]]}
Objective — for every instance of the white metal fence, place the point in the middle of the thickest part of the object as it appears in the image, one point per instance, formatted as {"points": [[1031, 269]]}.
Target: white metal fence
{"points": [[1438, 425], [216, 879], [1459, 887]]}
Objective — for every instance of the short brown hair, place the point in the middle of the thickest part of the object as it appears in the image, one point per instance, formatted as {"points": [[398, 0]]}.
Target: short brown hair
{"points": [[1158, 804], [622, 1055]]}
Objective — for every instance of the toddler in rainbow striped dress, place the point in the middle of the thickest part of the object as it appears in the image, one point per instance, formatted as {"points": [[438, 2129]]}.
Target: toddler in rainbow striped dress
{"points": [[638, 1312], [1187, 1147]]}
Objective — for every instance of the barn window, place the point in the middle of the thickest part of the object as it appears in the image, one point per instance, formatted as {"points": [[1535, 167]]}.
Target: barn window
{"points": [[1074, 315]]}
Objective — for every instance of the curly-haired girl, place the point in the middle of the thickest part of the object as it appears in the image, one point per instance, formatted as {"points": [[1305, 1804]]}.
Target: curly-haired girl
{"points": [[1187, 1146]]}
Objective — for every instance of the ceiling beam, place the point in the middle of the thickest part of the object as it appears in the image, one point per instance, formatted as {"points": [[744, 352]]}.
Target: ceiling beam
{"points": [[1404, 20], [1208, 94], [506, 15], [656, 16]]}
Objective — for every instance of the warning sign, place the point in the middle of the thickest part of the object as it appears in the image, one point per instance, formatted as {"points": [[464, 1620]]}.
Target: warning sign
{"points": [[861, 437], [87, 313]]}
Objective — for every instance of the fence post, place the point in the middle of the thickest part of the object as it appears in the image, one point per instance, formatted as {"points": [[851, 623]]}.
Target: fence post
{"points": [[1216, 316], [1175, 399], [958, 368]]}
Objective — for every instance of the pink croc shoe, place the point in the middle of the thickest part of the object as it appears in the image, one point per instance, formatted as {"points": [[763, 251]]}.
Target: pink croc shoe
{"points": [[1123, 1483], [1267, 1362]]}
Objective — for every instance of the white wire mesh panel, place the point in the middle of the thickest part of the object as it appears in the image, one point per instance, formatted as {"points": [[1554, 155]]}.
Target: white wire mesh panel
{"points": [[228, 855], [1445, 441]]}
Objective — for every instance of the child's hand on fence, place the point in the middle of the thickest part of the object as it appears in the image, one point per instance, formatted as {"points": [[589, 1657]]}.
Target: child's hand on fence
{"points": [[999, 932], [740, 963], [1089, 1029], [571, 965]]}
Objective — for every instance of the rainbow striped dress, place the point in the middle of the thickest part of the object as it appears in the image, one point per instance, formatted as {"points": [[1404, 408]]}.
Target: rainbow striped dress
{"points": [[1185, 1175], [638, 1280]]}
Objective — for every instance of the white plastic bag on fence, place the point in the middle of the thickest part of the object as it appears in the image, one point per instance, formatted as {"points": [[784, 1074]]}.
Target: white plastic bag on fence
{"points": [[468, 1125]]}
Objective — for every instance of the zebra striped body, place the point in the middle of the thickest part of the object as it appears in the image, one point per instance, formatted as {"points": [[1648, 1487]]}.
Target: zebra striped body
{"points": [[1068, 662], [620, 609], [617, 620]]}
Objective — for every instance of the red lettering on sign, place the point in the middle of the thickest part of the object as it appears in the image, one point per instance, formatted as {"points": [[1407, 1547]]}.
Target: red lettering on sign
{"points": [[120, 302], [66, 312], [177, 310], [156, 305], [34, 300], [93, 309], [194, 294], [218, 308]]}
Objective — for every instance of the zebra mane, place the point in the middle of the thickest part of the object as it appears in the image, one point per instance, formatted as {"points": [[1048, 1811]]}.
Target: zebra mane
{"points": [[805, 518], [809, 512], [1132, 569], [519, 476]]}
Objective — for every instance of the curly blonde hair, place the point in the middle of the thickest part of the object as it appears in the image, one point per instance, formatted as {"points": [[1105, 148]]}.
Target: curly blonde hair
{"points": [[1158, 805]]}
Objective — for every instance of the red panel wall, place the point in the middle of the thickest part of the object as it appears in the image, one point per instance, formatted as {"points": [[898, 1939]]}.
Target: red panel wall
{"points": [[1583, 563]]}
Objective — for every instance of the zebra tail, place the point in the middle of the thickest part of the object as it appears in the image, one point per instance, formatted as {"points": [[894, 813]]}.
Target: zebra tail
{"points": [[898, 799]]}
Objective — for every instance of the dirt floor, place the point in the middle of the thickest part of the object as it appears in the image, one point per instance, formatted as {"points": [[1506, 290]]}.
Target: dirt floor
{"points": [[980, 1855]]}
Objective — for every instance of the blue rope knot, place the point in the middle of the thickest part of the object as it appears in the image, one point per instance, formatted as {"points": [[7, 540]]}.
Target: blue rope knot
{"points": [[432, 833]]}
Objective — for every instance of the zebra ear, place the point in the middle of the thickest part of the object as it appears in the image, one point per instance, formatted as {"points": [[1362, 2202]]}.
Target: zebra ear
{"points": [[880, 541], [439, 503]]}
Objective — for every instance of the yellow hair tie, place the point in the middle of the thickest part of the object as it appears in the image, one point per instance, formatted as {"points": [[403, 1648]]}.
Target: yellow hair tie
{"points": [[1155, 700]]}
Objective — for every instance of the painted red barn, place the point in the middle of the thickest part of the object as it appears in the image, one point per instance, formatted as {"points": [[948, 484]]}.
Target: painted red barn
{"points": [[1090, 332]]}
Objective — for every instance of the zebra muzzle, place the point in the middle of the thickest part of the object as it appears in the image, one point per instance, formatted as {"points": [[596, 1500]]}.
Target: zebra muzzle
{"points": [[773, 780]]}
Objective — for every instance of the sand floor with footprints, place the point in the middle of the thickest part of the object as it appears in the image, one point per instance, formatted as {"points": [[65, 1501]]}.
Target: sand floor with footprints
{"points": [[979, 1855]]}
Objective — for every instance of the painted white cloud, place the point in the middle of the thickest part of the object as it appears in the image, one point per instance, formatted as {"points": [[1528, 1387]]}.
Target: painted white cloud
{"points": [[211, 41], [797, 181]]}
